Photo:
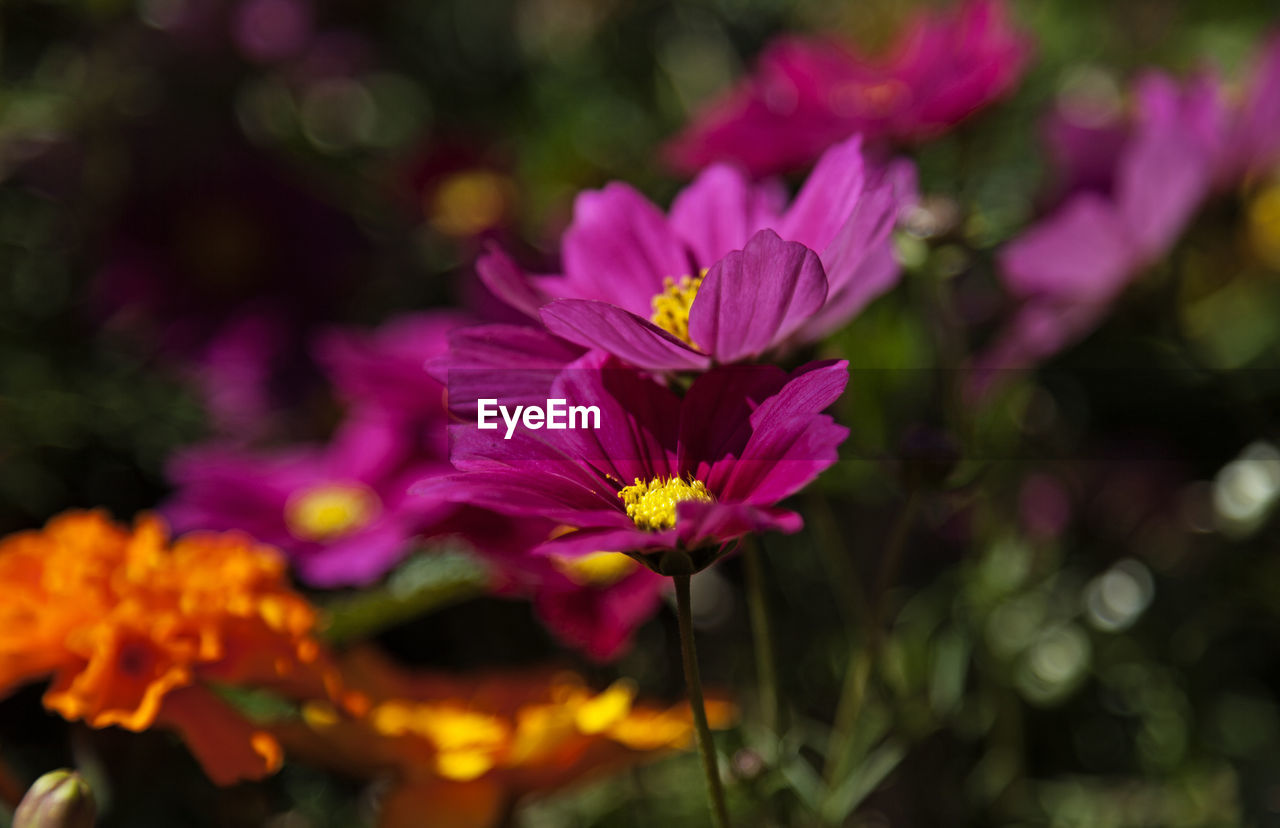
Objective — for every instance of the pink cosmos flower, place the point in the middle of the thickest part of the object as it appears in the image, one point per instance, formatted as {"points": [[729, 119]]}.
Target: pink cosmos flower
{"points": [[807, 94], [661, 472], [341, 511], [1123, 213], [728, 275]]}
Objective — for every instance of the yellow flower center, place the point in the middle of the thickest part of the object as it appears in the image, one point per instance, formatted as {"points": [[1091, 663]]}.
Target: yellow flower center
{"points": [[671, 306], [652, 505], [468, 202], [329, 511], [599, 569], [1264, 225]]}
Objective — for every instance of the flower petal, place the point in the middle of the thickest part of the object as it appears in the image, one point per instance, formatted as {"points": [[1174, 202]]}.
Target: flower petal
{"points": [[702, 524], [719, 211], [507, 281], [754, 299], [514, 364], [1164, 174], [1079, 254], [639, 420], [715, 420], [830, 193], [619, 249], [791, 442], [228, 746], [621, 333]]}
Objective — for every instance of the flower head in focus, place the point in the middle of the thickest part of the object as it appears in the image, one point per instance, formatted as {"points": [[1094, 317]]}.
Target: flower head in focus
{"points": [[731, 274], [137, 631], [461, 752], [661, 474], [808, 93]]}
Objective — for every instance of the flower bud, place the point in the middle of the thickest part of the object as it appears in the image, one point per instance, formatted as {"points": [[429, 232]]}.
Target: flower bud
{"points": [[59, 799]]}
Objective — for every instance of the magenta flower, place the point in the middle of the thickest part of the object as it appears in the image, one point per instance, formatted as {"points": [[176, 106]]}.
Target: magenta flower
{"points": [[384, 371], [714, 281], [661, 473], [593, 603], [809, 93], [1124, 212], [340, 511]]}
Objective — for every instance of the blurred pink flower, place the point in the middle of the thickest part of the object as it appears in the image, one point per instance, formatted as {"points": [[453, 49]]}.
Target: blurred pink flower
{"points": [[341, 512], [1124, 210], [808, 93]]}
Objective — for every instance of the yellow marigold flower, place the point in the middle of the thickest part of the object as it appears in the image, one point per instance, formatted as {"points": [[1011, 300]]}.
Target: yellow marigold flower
{"points": [[462, 752], [137, 631]]}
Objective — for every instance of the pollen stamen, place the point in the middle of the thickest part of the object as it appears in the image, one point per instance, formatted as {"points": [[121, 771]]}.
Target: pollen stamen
{"points": [[329, 511], [652, 505], [671, 307]]}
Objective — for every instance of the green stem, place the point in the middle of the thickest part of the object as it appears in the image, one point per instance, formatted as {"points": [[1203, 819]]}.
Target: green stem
{"points": [[684, 612], [761, 635], [863, 658]]}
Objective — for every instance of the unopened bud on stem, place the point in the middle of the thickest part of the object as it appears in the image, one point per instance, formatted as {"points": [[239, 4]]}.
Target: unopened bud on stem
{"points": [[59, 799]]}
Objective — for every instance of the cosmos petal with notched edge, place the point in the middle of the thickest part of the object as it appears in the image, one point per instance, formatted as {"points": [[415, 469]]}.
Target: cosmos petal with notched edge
{"points": [[614, 330], [753, 299], [791, 441]]}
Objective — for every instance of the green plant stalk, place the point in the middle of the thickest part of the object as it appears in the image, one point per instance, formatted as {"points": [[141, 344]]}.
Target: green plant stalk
{"points": [[862, 659], [710, 768], [761, 635]]}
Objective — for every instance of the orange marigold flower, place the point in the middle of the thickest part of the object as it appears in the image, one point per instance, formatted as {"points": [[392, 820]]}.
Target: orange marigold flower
{"points": [[461, 752], [137, 631]]}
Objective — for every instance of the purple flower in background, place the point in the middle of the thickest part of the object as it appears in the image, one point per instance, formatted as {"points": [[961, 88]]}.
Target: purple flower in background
{"points": [[728, 275], [339, 510], [660, 472], [807, 94], [1124, 212]]}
